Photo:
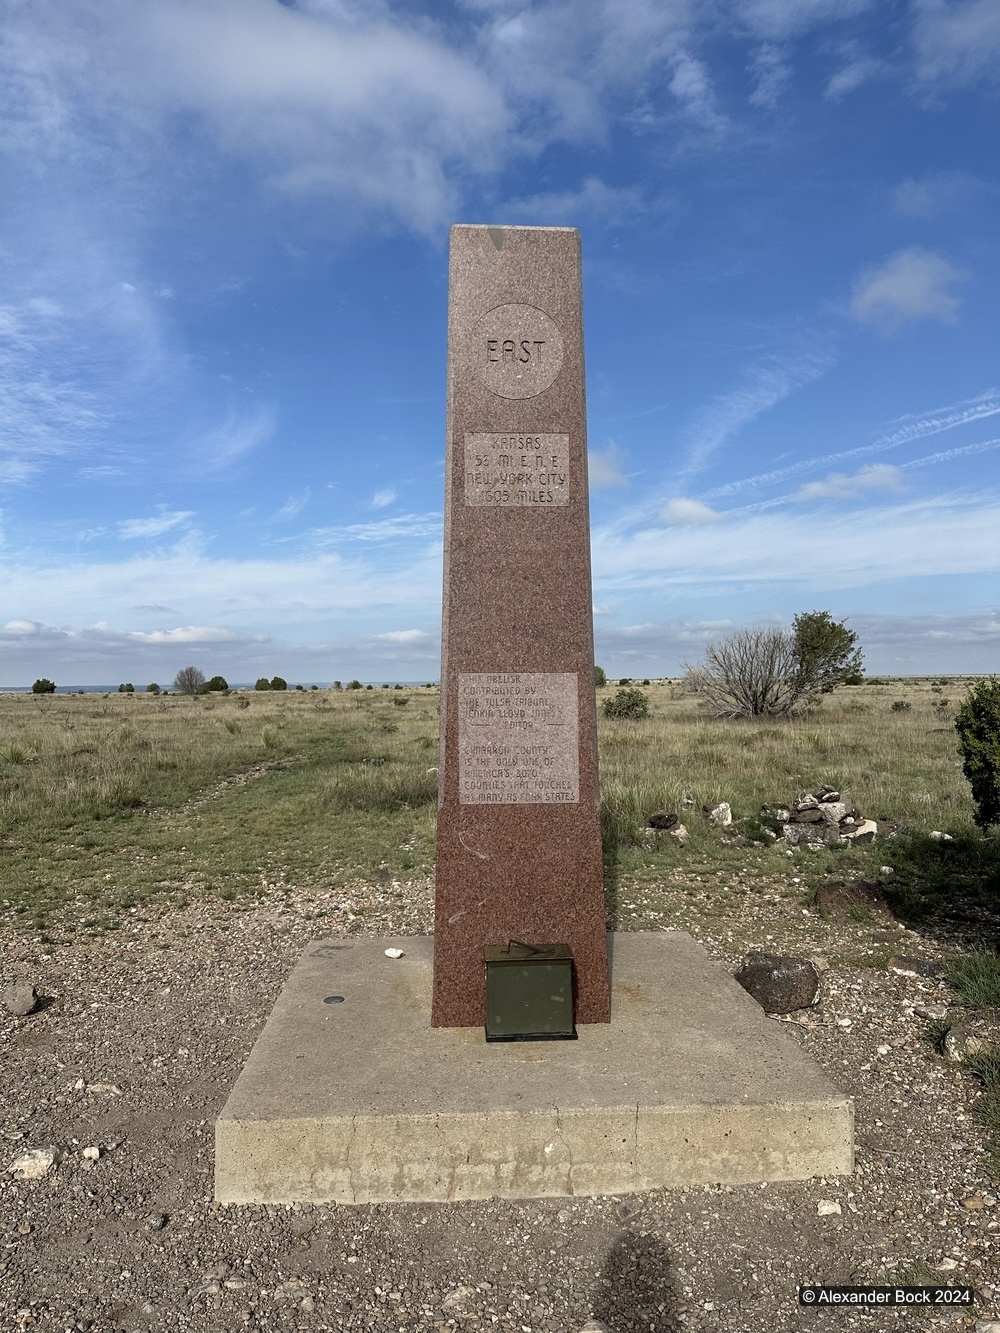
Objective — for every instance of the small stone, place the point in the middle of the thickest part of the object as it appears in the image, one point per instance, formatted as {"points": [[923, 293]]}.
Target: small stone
{"points": [[20, 998], [679, 834], [718, 812], [779, 985], [594, 1326], [938, 836], [662, 819], [973, 1204], [959, 1043], [394, 953], [866, 831], [987, 1326], [457, 1298], [946, 1265], [828, 1208], [33, 1164], [931, 1011], [92, 1154], [156, 1221]]}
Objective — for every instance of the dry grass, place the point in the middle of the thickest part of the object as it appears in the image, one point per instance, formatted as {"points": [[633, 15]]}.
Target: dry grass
{"points": [[107, 802]]}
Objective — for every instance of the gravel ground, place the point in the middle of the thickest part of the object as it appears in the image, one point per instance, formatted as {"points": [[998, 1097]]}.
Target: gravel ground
{"points": [[141, 1033]]}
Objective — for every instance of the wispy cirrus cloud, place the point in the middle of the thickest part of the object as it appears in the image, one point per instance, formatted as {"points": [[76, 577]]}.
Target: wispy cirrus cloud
{"points": [[762, 387], [683, 513], [133, 529], [904, 430], [384, 497], [292, 507]]}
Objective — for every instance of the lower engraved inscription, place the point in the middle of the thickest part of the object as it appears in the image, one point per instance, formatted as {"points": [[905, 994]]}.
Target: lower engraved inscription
{"points": [[518, 738], [515, 471]]}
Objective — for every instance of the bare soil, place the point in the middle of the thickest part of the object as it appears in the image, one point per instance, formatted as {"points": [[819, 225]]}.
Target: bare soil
{"points": [[142, 1032]]}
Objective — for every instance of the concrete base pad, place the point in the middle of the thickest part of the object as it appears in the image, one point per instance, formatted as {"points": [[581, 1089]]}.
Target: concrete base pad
{"points": [[362, 1101]]}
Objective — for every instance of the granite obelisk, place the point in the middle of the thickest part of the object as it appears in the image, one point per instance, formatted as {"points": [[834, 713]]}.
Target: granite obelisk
{"points": [[519, 838]]}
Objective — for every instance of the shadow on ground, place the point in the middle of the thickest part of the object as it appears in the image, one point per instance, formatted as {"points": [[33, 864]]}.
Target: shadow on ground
{"points": [[635, 1291], [948, 891]]}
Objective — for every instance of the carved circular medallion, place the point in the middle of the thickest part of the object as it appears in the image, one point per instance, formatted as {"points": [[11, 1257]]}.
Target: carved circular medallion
{"points": [[517, 351]]}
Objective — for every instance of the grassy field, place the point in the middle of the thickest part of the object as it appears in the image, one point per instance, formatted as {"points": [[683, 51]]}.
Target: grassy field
{"points": [[108, 802]]}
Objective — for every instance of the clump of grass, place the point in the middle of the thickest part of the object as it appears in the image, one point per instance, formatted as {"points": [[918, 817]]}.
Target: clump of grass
{"points": [[986, 1067], [14, 754], [382, 787], [975, 977], [232, 726], [269, 738]]}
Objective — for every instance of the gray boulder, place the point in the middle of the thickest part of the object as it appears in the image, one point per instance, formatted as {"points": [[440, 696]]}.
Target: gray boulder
{"points": [[779, 985], [20, 998]]}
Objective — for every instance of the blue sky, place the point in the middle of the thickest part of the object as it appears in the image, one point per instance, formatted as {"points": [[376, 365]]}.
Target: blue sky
{"points": [[223, 247]]}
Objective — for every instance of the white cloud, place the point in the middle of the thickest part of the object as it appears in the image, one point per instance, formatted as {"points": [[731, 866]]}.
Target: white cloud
{"points": [[383, 498], [403, 636], [839, 486], [136, 528], [681, 513], [911, 284], [771, 72], [776, 19], [239, 433], [936, 193], [604, 467], [592, 201], [851, 75], [957, 42], [292, 507]]}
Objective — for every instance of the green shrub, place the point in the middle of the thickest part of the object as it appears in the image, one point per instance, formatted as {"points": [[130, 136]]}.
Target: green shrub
{"points": [[279, 683], [627, 703], [126, 689], [625, 680], [152, 688], [600, 677], [217, 685], [354, 685], [901, 706], [262, 683], [978, 727], [43, 686]]}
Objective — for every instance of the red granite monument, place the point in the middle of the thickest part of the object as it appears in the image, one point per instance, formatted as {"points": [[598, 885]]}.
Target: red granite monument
{"points": [[519, 837]]}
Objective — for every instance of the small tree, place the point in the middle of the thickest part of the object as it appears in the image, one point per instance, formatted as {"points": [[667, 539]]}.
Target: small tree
{"points": [[43, 686], [826, 653], [189, 680], [126, 688], [153, 688], [217, 685], [627, 703], [978, 727], [600, 677], [750, 674], [262, 683], [278, 683]]}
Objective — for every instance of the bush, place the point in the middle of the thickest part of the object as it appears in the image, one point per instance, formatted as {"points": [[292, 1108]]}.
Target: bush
{"points": [[354, 685], [627, 703], [262, 683], [826, 652], [901, 706], [152, 688], [279, 683], [625, 680], [978, 727], [217, 685], [189, 680], [126, 689], [337, 685], [43, 686], [600, 677]]}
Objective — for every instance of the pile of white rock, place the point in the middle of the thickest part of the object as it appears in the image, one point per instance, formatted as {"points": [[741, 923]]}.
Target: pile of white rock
{"points": [[822, 816]]}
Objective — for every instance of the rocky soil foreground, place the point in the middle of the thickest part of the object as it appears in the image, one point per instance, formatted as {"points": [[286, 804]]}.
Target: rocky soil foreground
{"points": [[142, 1032]]}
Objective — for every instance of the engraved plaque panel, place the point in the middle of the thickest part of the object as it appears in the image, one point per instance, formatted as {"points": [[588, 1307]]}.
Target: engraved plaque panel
{"points": [[518, 738], [517, 351], [517, 471]]}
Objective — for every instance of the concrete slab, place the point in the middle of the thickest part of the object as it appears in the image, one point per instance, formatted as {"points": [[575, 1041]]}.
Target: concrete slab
{"points": [[362, 1101]]}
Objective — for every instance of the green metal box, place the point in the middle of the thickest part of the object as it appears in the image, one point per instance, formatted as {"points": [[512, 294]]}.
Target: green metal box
{"points": [[529, 992]]}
